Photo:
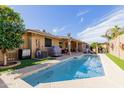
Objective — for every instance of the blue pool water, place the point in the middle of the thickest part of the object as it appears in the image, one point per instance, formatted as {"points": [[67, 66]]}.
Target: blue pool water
{"points": [[86, 66]]}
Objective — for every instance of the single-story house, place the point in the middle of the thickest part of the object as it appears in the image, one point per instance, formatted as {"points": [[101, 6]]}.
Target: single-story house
{"points": [[36, 39]]}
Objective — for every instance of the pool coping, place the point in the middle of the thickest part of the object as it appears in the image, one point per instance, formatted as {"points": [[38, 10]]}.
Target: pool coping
{"points": [[32, 72]]}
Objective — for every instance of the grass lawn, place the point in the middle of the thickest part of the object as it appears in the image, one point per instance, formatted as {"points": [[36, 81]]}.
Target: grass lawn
{"points": [[116, 60], [26, 63]]}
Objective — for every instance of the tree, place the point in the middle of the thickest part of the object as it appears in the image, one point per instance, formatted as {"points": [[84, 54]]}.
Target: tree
{"points": [[107, 35], [11, 30], [115, 32], [112, 33], [94, 45]]}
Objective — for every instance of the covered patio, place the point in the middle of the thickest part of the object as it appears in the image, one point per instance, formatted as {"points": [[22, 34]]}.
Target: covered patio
{"points": [[71, 44]]}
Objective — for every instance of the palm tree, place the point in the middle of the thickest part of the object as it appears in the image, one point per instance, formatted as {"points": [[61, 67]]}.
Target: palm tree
{"points": [[108, 37], [115, 32], [112, 33]]}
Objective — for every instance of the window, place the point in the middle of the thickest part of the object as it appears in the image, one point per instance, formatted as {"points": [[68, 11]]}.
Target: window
{"points": [[60, 44], [48, 42]]}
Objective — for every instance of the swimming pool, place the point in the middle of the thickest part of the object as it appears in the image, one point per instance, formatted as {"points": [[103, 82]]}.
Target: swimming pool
{"points": [[85, 66]]}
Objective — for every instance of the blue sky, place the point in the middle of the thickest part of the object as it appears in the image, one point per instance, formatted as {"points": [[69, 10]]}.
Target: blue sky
{"points": [[86, 23]]}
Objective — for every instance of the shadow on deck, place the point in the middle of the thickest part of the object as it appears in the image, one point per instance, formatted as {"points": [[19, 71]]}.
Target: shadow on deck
{"points": [[2, 84]]}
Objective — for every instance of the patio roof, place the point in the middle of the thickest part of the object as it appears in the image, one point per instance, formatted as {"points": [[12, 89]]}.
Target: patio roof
{"points": [[73, 39]]}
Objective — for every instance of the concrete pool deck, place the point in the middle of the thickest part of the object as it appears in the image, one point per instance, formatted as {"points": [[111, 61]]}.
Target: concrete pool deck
{"points": [[12, 80], [2, 84], [114, 78]]}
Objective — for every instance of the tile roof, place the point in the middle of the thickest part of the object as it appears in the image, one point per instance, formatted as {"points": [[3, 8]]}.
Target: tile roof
{"points": [[43, 32]]}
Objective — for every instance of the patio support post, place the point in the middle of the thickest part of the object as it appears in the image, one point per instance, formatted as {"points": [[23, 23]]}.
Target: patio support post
{"points": [[97, 49], [31, 45], [69, 43], [69, 46], [76, 46]]}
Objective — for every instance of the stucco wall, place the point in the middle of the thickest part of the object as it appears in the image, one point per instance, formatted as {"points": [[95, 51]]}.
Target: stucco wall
{"points": [[33, 43], [64, 44], [115, 46], [84, 47], [80, 46], [55, 42], [25, 38], [1, 56]]}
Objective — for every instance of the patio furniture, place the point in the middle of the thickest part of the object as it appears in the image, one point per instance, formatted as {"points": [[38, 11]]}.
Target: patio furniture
{"points": [[64, 51], [55, 51], [41, 54]]}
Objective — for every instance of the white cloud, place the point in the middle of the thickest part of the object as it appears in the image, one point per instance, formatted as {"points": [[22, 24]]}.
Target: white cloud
{"points": [[81, 13], [82, 19], [58, 29], [93, 34]]}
